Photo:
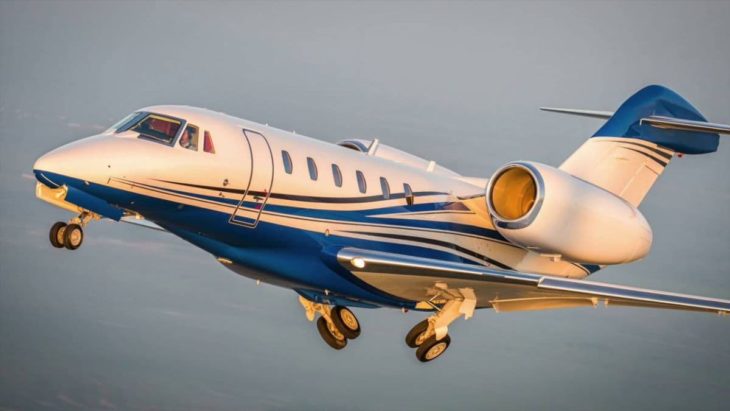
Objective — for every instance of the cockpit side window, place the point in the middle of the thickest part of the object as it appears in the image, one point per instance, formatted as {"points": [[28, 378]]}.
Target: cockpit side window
{"points": [[189, 138], [208, 146], [158, 128]]}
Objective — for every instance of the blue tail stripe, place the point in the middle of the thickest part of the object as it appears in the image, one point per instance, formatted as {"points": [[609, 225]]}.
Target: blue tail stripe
{"points": [[657, 100]]}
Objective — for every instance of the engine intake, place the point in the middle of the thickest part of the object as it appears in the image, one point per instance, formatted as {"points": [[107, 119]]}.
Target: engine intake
{"points": [[514, 193], [552, 212]]}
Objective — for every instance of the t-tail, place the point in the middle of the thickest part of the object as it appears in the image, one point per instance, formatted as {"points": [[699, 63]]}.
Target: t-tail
{"points": [[630, 151]]}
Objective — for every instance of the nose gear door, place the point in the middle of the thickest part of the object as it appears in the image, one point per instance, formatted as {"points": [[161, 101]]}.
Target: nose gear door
{"points": [[261, 178]]}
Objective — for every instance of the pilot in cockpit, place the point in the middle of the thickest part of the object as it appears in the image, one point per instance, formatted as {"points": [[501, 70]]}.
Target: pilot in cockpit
{"points": [[189, 138]]}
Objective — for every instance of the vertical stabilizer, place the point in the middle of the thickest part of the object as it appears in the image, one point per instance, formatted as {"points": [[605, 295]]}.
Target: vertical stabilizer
{"points": [[630, 151]]}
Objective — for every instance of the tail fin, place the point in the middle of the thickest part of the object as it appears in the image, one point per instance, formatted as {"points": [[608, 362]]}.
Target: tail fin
{"points": [[630, 151]]}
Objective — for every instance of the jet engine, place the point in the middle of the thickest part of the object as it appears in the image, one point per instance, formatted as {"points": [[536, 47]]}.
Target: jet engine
{"points": [[552, 212]]}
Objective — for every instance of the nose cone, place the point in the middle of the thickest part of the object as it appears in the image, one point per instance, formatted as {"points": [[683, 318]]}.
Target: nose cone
{"points": [[51, 165], [77, 160]]}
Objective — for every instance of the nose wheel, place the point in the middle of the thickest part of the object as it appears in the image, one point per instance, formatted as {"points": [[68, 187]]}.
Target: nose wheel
{"points": [[65, 235], [56, 234], [69, 235], [73, 236]]}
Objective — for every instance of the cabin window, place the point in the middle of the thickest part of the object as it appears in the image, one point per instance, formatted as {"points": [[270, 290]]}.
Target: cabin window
{"points": [[208, 146], [158, 128], [385, 187], [288, 166], [337, 175], [312, 168], [189, 138], [361, 183], [408, 193]]}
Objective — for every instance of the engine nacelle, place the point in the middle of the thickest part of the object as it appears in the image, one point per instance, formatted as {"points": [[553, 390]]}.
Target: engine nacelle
{"points": [[552, 212]]}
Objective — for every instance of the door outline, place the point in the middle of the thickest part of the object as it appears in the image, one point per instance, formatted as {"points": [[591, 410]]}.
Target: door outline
{"points": [[241, 220]]}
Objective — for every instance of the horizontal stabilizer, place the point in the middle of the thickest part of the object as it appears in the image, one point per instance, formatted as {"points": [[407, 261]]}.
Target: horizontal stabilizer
{"points": [[685, 125], [578, 112], [663, 122]]}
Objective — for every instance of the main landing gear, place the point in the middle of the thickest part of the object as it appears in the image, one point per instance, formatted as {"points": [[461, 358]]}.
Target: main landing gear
{"points": [[69, 235], [335, 324], [430, 337]]}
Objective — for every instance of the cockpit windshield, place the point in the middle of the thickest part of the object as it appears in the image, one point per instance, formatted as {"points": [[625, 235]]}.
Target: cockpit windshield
{"points": [[151, 126], [158, 128], [127, 122]]}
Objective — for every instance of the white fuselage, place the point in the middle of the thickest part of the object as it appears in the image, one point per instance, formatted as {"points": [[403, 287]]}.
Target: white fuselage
{"points": [[448, 215]]}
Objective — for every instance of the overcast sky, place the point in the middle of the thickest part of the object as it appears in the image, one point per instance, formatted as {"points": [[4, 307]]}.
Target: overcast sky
{"points": [[136, 319]]}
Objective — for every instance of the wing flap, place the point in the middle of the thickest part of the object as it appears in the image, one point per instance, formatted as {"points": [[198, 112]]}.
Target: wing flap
{"points": [[542, 303]]}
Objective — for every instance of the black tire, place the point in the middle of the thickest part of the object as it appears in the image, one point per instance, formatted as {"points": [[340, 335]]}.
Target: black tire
{"points": [[328, 337], [412, 338], [56, 234], [73, 236], [346, 322], [432, 349]]}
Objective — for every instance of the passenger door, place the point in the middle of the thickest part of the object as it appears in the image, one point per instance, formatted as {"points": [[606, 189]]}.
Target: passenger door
{"points": [[261, 178]]}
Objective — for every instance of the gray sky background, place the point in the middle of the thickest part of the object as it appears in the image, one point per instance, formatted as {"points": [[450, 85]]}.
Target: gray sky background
{"points": [[141, 320]]}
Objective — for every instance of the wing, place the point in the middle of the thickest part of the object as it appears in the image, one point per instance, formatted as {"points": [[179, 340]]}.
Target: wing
{"points": [[429, 282]]}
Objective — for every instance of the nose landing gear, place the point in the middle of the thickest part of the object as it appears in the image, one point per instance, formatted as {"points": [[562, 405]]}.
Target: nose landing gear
{"points": [[69, 235], [336, 324]]}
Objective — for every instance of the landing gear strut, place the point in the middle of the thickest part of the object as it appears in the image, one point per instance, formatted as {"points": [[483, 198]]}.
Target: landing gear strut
{"points": [[71, 234], [430, 337], [336, 324]]}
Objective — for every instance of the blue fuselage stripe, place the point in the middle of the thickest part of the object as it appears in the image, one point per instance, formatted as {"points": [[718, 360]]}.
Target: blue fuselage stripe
{"points": [[258, 251]]}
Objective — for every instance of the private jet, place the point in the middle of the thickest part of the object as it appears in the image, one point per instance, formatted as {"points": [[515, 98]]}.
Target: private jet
{"points": [[360, 224]]}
